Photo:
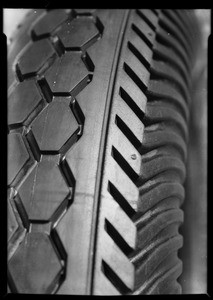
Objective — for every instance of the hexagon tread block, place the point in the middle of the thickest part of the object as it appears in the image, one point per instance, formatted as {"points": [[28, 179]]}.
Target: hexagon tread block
{"points": [[54, 126], [79, 33], [17, 155], [49, 23], [44, 190], [37, 55], [75, 74], [35, 267], [23, 101]]}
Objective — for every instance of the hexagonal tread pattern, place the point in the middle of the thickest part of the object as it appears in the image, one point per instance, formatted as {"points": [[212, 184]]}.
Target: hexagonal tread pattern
{"points": [[44, 113]]}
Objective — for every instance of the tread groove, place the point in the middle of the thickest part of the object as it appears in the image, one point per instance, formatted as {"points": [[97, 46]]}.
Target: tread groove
{"points": [[88, 62], [22, 212], [79, 115], [114, 279], [127, 132], [134, 77], [33, 146], [117, 238], [155, 12], [144, 18], [130, 102], [142, 36], [99, 25], [57, 45], [67, 174], [119, 198], [124, 165], [139, 55], [70, 142], [45, 89]]}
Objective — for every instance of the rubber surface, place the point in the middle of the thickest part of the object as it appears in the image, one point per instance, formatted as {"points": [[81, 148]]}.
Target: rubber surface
{"points": [[98, 107]]}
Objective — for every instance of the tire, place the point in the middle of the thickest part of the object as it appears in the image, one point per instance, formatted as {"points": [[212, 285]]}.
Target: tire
{"points": [[98, 107]]}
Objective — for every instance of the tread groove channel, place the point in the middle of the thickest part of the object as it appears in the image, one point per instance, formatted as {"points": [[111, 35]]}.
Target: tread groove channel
{"points": [[127, 132], [142, 36], [134, 77], [117, 238], [114, 279], [124, 165]]}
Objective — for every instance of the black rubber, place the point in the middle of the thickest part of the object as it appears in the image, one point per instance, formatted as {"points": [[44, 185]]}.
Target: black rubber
{"points": [[98, 110]]}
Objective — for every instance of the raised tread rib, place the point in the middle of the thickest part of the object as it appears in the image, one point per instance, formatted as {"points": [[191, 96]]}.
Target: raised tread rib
{"points": [[161, 134], [187, 18], [157, 112], [174, 30], [170, 42], [181, 24], [164, 114], [165, 91], [160, 69], [168, 55]]}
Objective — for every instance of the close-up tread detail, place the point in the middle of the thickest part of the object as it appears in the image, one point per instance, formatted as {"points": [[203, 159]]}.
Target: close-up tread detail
{"points": [[98, 112]]}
